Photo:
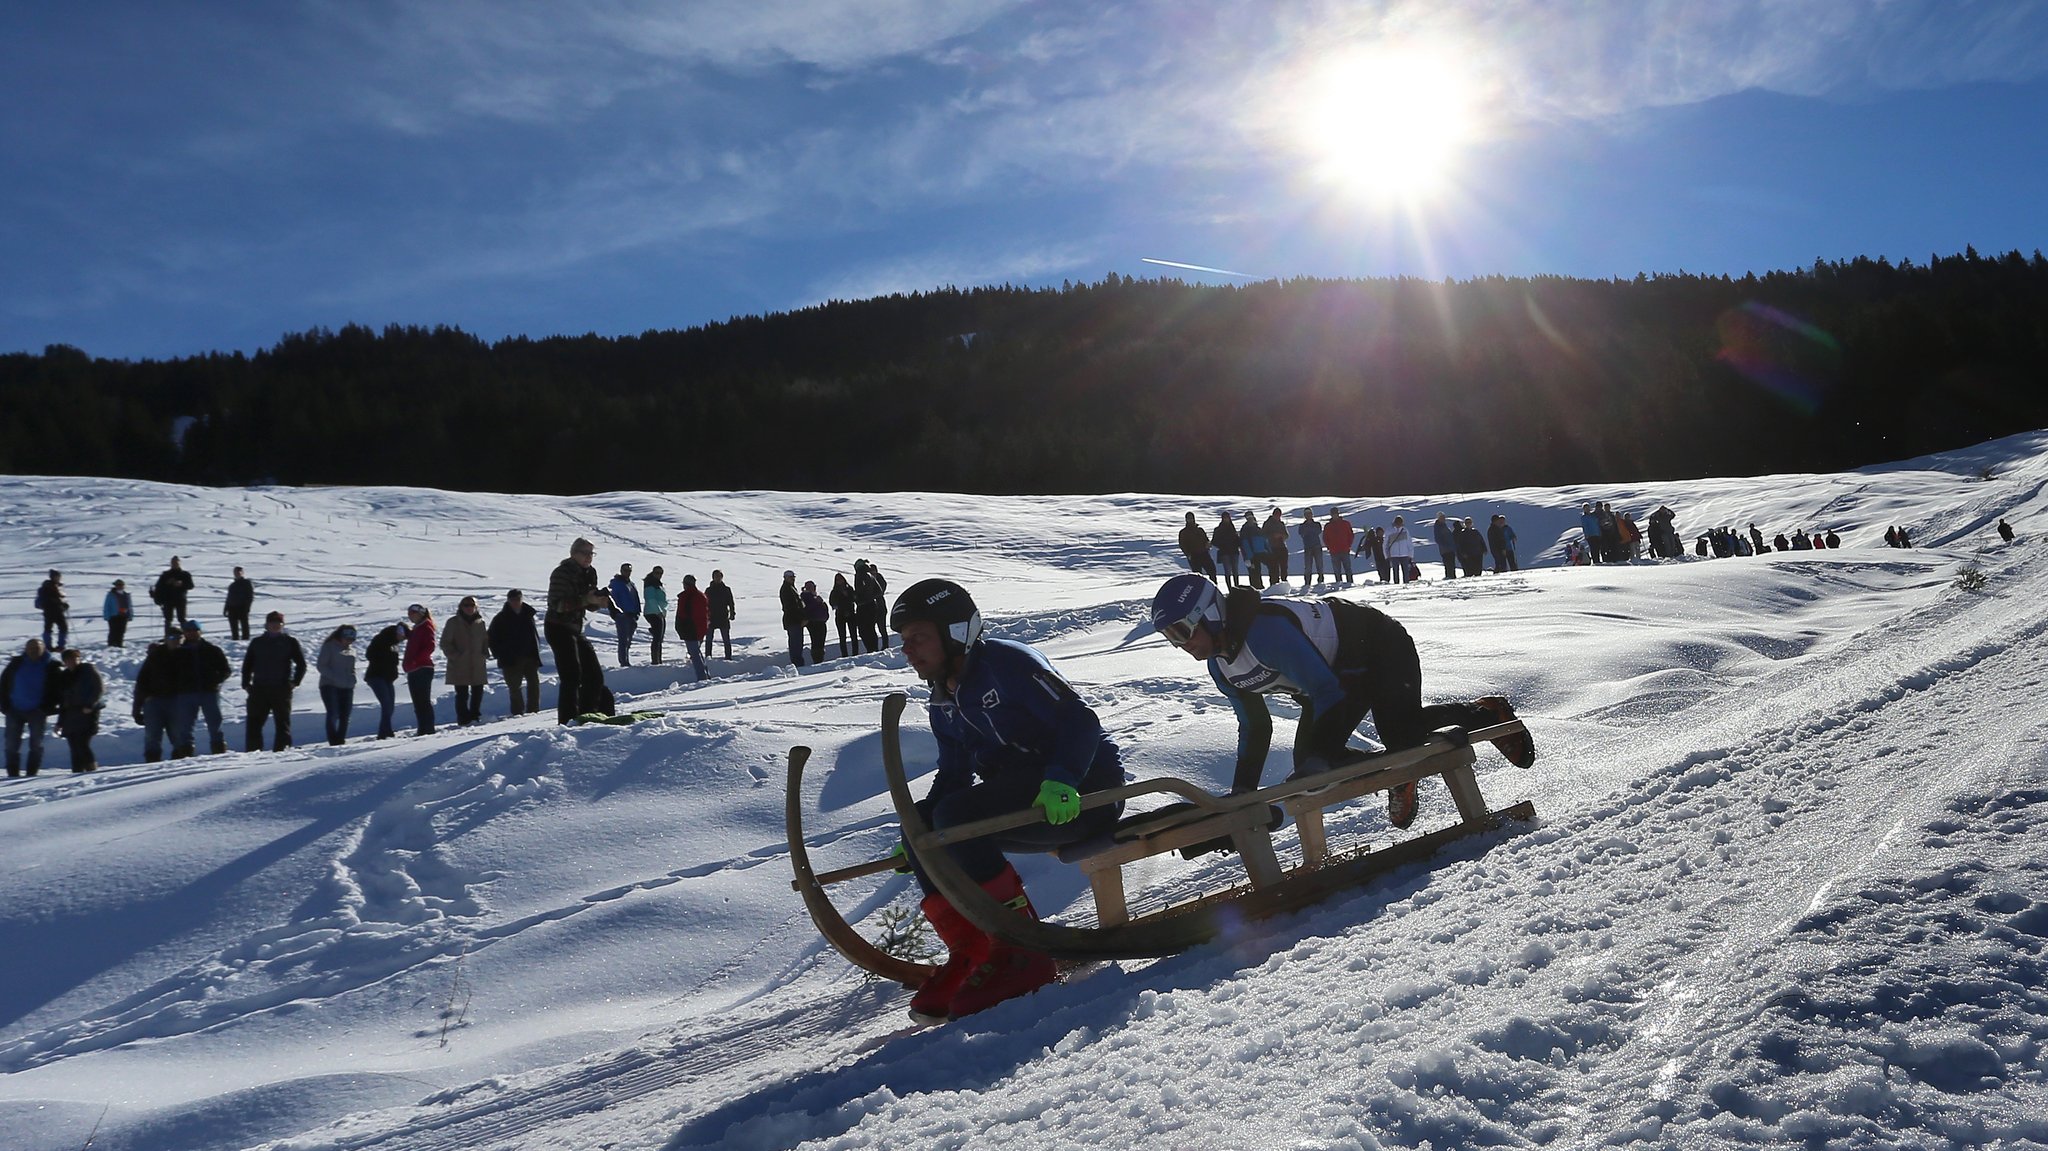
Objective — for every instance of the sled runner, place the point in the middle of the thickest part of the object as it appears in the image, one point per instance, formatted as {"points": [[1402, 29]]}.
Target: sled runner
{"points": [[1247, 821]]}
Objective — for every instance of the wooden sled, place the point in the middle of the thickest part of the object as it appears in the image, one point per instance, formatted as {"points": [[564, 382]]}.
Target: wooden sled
{"points": [[1246, 820]]}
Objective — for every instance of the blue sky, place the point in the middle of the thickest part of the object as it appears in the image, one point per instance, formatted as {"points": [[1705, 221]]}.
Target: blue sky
{"points": [[178, 177]]}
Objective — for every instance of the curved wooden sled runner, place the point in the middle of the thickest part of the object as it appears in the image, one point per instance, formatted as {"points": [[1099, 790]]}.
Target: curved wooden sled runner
{"points": [[1247, 820]]}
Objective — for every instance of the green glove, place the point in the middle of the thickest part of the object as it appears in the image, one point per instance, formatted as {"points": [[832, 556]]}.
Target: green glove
{"points": [[1062, 804], [902, 857]]}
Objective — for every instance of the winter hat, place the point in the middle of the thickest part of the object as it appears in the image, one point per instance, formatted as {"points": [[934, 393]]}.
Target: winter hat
{"points": [[192, 625]]}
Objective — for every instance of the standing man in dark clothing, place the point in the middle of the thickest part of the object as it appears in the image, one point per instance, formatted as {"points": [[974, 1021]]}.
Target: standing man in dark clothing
{"points": [[200, 670], [380, 672], [241, 600], [1500, 540], [517, 648], [80, 695], [1446, 545], [1226, 543], [1471, 547], [1194, 543], [572, 591], [2004, 530], [1276, 547], [56, 611], [719, 596], [156, 695], [271, 668], [29, 696], [871, 606], [793, 618], [117, 610], [169, 593], [1311, 534]]}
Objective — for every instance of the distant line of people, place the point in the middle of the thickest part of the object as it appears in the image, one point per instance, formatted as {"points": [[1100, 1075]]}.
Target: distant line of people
{"points": [[1264, 548]]}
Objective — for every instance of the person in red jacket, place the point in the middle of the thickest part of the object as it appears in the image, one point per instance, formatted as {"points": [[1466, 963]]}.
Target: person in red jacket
{"points": [[693, 622], [419, 667], [1337, 536]]}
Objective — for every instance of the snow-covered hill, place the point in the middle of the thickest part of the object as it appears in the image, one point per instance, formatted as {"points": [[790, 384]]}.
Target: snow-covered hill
{"points": [[1787, 888]]}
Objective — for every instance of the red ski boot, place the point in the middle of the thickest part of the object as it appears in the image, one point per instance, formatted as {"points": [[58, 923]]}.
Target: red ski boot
{"points": [[966, 948], [1005, 972]]}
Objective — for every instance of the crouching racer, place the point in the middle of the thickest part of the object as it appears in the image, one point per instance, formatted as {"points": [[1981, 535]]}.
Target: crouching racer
{"points": [[1338, 660], [999, 711]]}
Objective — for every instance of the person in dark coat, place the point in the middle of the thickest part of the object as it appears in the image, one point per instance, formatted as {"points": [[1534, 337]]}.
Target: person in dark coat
{"points": [[273, 665], [2004, 530], [380, 672], [1252, 538], [1446, 545], [170, 592], [870, 596], [1194, 544], [29, 695], [517, 648], [156, 696], [572, 591], [1276, 546], [625, 609], [693, 623], [56, 611], [1500, 540], [1224, 537], [1471, 547], [200, 670], [117, 610], [845, 615], [792, 617], [80, 695], [241, 600], [817, 613], [719, 597], [1311, 534]]}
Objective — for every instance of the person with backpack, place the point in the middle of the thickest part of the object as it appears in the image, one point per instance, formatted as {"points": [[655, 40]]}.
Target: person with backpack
{"points": [[169, 592], [516, 647], [56, 611], [1337, 660], [117, 609], [998, 711]]}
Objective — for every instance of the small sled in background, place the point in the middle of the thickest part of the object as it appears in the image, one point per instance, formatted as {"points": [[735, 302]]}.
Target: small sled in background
{"points": [[1268, 886]]}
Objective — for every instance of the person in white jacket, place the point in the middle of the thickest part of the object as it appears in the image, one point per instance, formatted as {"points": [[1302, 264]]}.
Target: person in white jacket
{"points": [[1401, 553]]}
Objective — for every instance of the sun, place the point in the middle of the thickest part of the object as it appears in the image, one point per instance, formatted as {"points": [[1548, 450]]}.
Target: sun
{"points": [[1390, 124]]}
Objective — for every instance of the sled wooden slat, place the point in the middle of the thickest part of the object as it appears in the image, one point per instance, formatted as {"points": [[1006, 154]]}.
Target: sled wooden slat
{"points": [[833, 926]]}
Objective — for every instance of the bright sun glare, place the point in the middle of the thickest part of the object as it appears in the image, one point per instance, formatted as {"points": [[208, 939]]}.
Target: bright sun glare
{"points": [[1390, 125]]}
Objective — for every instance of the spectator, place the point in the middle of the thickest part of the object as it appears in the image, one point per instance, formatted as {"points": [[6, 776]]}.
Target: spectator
{"points": [[1226, 542], [693, 623], [1446, 535], [1801, 542], [1779, 542], [336, 663], [654, 602], [156, 695], [1337, 536], [845, 614], [2004, 530], [1311, 534], [1401, 553], [200, 670], [1276, 546], [273, 665], [793, 618], [466, 641], [169, 592], [870, 605], [1500, 540], [380, 672], [1610, 532], [80, 695], [1589, 524], [1663, 533], [1375, 541], [572, 591], [1471, 546], [117, 610], [56, 611], [1756, 539], [241, 600], [1834, 541], [1257, 549], [1194, 544], [625, 609], [29, 693], [816, 614], [719, 597], [517, 649], [1905, 538], [418, 666]]}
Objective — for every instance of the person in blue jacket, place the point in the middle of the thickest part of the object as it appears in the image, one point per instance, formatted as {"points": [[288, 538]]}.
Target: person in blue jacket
{"points": [[1336, 659], [625, 609], [1000, 712], [29, 694]]}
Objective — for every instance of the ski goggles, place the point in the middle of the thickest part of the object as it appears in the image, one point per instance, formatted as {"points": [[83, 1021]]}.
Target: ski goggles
{"points": [[1180, 631]]}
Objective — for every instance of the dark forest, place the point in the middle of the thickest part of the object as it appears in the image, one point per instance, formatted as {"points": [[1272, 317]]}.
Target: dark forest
{"points": [[1365, 387]]}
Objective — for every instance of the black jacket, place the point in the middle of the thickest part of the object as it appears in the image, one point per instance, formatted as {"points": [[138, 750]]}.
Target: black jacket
{"points": [[380, 658], [719, 596], [273, 661], [792, 607], [512, 636], [171, 587], [156, 677], [199, 666], [241, 596]]}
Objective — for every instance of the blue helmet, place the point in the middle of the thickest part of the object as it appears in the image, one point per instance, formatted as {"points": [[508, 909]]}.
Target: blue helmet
{"points": [[1184, 603]]}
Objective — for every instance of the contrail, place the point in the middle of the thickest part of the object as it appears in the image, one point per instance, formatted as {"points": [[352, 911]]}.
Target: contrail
{"points": [[1196, 267]]}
